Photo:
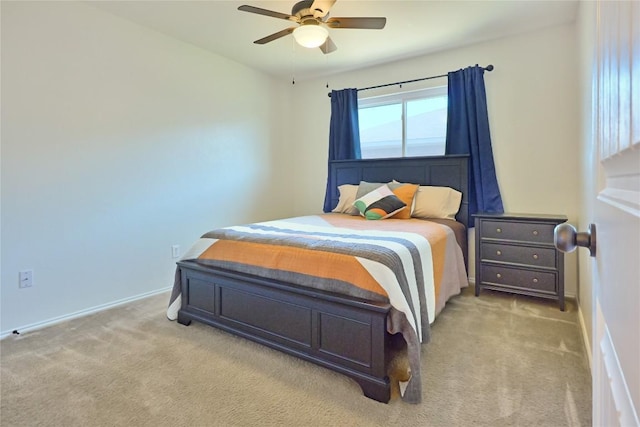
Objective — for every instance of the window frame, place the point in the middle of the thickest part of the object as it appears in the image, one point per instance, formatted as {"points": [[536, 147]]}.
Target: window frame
{"points": [[402, 98]]}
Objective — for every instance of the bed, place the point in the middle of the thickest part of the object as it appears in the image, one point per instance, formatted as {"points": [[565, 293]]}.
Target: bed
{"points": [[335, 317]]}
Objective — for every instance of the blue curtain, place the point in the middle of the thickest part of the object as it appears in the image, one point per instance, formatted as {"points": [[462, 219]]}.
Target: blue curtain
{"points": [[468, 133], [344, 132]]}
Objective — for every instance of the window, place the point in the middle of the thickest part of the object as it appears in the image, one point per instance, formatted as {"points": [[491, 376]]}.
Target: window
{"points": [[404, 124]]}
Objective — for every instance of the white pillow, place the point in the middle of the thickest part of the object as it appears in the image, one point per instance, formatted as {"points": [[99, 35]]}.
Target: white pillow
{"points": [[436, 202], [347, 198]]}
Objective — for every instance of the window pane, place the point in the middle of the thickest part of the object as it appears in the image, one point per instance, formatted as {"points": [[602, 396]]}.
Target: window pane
{"points": [[426, 126], [381, 131]]}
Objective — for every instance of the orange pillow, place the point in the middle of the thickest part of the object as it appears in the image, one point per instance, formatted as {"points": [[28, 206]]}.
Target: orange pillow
{"points": [[406, 193]]}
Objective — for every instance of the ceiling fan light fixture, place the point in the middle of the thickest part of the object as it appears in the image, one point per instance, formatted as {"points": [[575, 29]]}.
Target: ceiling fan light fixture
{"points": [[310, 35]]}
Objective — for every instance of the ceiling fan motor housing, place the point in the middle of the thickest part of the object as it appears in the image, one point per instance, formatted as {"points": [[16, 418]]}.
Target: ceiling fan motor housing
{"points": [[302, 10], [309, 20]]}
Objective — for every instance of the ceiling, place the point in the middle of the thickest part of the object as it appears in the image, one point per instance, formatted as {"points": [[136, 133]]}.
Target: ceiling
{"points": [[414, 28]]}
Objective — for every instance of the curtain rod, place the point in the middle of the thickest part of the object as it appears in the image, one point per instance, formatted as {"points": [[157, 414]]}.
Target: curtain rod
{"points": [[487, 68]]}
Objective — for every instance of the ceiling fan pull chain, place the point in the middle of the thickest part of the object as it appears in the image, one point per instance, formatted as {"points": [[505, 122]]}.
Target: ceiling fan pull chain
{"points": [[326, 64], [293, 62]]}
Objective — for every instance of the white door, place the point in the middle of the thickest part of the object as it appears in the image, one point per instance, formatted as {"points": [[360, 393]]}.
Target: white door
{"points": [[616, 270]]}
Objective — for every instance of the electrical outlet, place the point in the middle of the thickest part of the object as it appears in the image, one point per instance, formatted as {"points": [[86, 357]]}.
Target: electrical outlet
{"points": [[26, 279], [175, 251]]}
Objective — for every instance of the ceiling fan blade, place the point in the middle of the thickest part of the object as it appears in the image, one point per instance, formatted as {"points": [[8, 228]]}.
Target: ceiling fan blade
{"points": [[265, 12], [320, 8], [275, 36], [328, 46], [364, 23]]}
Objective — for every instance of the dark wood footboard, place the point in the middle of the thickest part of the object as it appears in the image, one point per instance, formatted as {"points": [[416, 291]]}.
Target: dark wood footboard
{"points": [[346, 335]]}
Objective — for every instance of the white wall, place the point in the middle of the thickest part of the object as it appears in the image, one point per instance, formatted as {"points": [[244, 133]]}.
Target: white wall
{"points": [[118, 142], [533, 116]]}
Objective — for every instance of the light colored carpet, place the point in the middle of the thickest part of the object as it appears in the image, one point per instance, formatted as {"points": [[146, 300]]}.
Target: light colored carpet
{"points": [[495, 360]]}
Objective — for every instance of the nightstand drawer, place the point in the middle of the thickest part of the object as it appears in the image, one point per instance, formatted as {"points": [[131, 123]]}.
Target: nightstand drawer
{"points": [[518, 231], [513, 277], [526, 255]]}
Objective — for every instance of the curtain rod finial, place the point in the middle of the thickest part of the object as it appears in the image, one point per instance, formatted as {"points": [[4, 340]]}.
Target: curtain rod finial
{"points": [[489, 67]]}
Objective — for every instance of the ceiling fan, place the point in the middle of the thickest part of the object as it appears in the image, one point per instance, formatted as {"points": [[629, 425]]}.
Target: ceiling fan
{"points": [[312, 16]]}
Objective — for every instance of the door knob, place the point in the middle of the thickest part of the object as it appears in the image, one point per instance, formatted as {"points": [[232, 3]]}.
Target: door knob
{"points": [[567, 239]]}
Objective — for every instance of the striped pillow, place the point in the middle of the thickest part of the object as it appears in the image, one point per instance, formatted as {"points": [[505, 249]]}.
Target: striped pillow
{"points": [[380, 203]]}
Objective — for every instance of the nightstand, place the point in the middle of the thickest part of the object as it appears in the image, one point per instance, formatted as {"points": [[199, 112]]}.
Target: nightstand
{"points": [[515, 253]]}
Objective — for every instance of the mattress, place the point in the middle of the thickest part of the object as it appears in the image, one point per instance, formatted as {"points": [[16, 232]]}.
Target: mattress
{"points": [[414, 264]]}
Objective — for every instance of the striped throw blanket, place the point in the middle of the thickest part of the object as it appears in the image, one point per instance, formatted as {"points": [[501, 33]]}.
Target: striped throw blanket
{"points": [[414, 264]]}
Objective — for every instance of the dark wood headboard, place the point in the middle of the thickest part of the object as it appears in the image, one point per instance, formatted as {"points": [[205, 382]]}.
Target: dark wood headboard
{"points": [[444, 171]]}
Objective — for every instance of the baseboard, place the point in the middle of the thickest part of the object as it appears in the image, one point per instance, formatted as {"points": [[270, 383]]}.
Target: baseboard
{"points": [[585, 337], [82, 313]]}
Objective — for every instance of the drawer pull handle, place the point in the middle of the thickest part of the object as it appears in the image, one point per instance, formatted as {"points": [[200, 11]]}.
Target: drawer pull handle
{"points": [[498, 252], [535, 232], [535, 280], [535, 256], [498, 275], [498, 230]]}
